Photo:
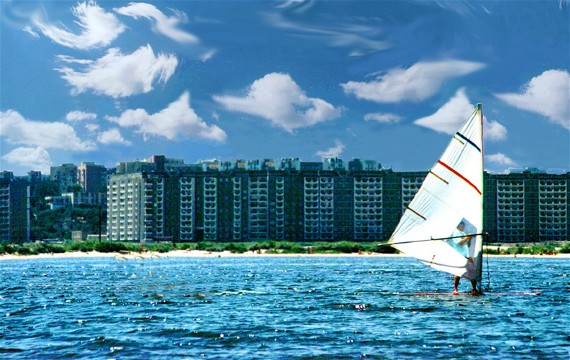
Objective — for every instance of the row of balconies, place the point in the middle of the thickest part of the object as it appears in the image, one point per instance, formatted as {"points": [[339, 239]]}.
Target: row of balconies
{"points": [[509, 202], [317, 218], [372, 216], [552, 209], [507, 195], [513, 227], [411, 186], [552, 200], [556, 227], [367, 198], [368, 192], [553, 216], [372, 180], [319, 230], [317, 209], [260, 198]]}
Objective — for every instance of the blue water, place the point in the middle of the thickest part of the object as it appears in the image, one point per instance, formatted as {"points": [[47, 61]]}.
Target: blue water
{"points": [[279, 307]]}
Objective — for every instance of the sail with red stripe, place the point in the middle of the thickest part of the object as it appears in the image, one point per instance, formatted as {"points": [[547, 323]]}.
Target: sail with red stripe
{"points": [[451, 194]]}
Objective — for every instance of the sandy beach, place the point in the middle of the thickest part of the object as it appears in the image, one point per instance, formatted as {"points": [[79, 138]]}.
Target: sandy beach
{"points": [[208, 254]]}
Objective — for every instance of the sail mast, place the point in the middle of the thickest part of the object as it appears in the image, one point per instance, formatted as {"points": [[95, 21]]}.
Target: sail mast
{"points": [[480, 256]]}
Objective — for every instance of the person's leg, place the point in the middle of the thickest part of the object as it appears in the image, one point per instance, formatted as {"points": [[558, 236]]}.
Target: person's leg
{"points": [[474, 290], [455, 284]]}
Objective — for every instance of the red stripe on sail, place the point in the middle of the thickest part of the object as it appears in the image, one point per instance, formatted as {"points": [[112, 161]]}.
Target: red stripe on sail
{"points": [[459, 175]]}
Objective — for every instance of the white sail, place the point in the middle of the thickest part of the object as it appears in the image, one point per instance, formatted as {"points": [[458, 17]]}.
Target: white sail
{"points": [[452, 193]]}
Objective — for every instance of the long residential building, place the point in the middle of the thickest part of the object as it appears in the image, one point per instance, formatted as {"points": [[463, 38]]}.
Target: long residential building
{"points": [[162, 199]]}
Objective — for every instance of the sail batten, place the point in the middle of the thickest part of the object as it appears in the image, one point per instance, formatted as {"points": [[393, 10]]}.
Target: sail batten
{"points": [[460, 176], [449, 202]]}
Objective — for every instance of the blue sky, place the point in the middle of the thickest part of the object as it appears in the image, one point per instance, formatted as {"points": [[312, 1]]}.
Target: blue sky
{"points": [[113, 81]]}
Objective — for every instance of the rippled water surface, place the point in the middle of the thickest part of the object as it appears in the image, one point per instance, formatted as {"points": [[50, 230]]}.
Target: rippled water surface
{"points": [[279, 307]]}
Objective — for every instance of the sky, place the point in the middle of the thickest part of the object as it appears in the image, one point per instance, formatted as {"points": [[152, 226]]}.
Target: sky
{"points": [[390, 81]]}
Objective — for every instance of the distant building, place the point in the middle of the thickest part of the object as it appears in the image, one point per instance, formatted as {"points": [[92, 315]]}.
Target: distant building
{"points": [[65, 176], [529, 205], [58, 202], [91, 177], [310, 201], [14, 209]]}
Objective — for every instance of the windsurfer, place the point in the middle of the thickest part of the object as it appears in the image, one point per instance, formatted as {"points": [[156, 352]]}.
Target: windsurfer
{"points": [[460, 242]]}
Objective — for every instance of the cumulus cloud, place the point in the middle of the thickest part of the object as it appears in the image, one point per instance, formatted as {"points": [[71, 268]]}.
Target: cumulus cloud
{"points": [[494, 130], [57, 135], [165, 25], [417, 83], [98, 28], [277, 98], [119, 75], [383, 118], [547, 94], [500, 159], [452, 114], [176, 119], [112, 136], [333, 152], [36, 158], [77, 115]]}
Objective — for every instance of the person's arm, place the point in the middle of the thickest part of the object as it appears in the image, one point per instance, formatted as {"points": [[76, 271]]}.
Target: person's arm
{"points": [[465, 239]]}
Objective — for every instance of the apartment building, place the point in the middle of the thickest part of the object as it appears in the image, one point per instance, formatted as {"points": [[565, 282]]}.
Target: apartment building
{"points": [[310, 201], [530, 205], [14, 208]]}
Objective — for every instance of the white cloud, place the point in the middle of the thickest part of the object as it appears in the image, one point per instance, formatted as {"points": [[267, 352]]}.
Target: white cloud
{"points": [[354, 34], [383, 118], [547, 94], [33, 158], [57, 135], [333, 152], [80, 116], [452, 114], [500, 159], [494, 130], [30, 31], [112, 136], [119, 75], [208, 55], [277, 98], [177, 119], [416, 83], [92, 127], [166, 25], [98, 28]]}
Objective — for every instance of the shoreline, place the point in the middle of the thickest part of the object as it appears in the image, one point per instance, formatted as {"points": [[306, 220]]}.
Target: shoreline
{"points": [[224, 254]]}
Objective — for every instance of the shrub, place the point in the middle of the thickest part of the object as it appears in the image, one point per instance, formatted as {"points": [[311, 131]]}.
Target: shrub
{"points": [[83, 246], [9, 249], [188, 246], [162, 247], [387, 249], [109, 246], [208, 246], [565, 249], [254, 247], [293, 248], [236, 248], [25, 249]]}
